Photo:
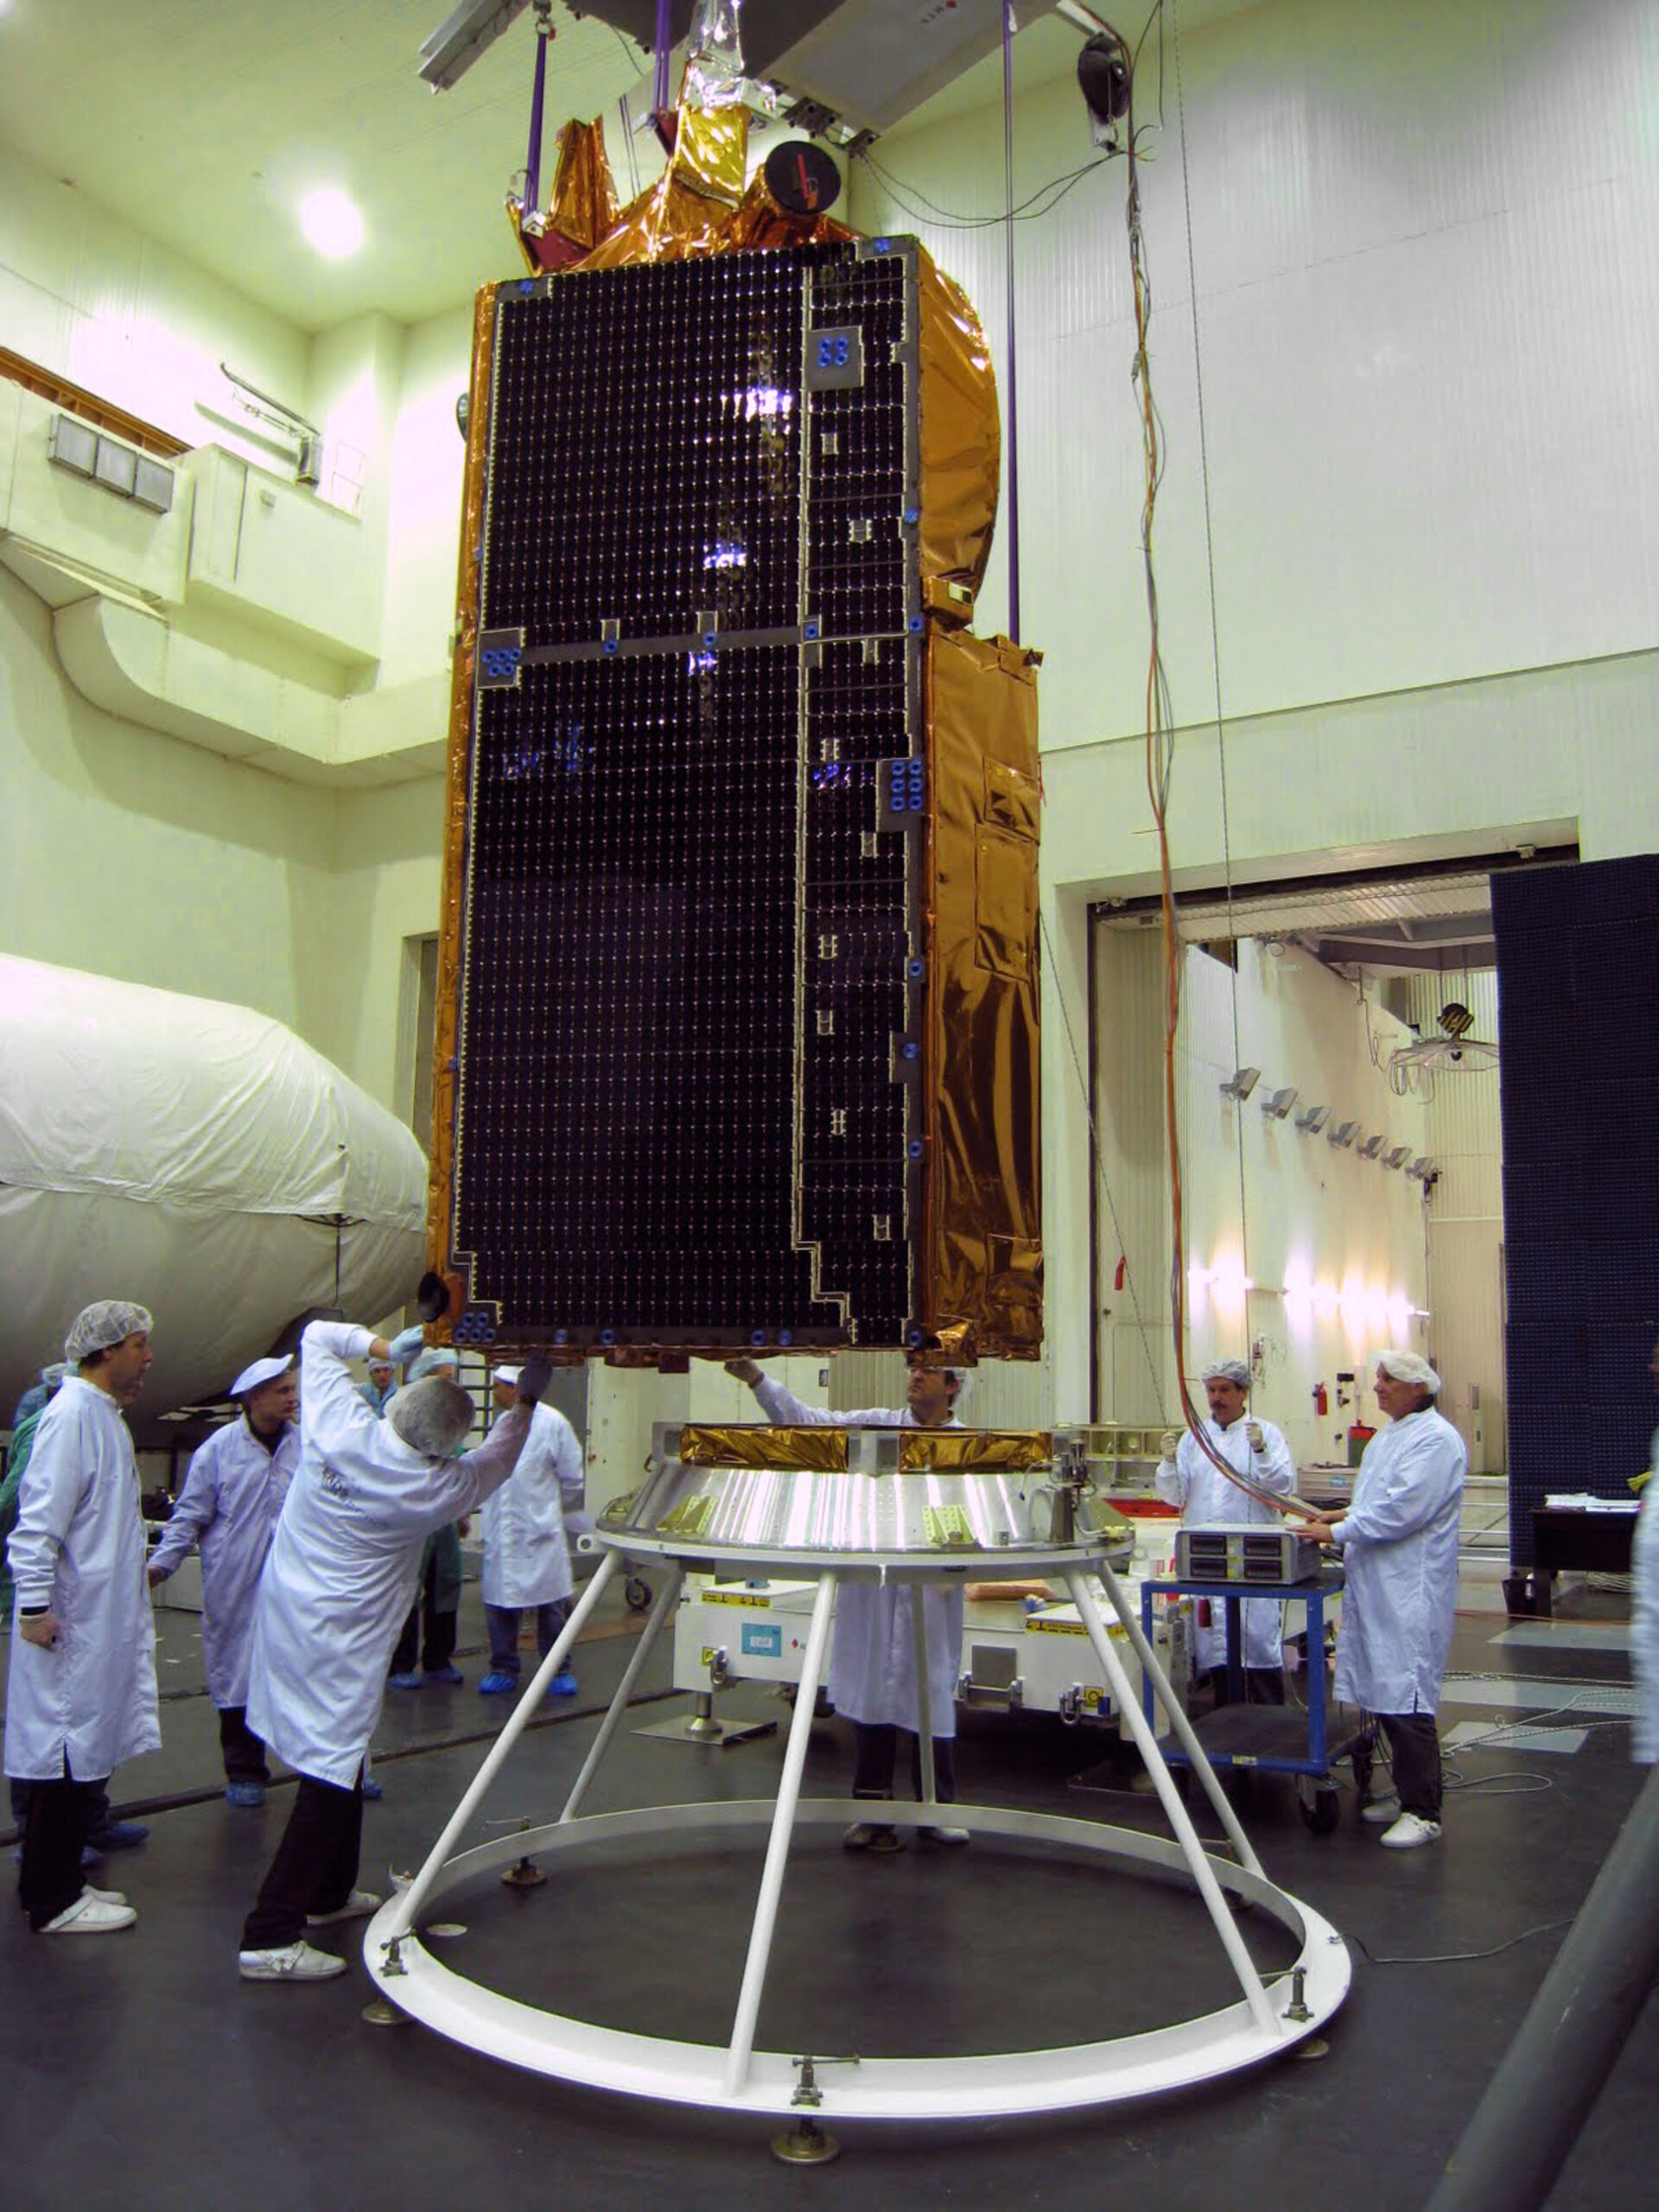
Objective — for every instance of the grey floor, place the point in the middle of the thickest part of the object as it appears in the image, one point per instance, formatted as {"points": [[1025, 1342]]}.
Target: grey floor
{"points": [[140, 2072]]}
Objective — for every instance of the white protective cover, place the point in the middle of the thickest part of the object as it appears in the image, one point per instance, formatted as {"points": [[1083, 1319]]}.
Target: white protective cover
{"points": [[195, 1157]]}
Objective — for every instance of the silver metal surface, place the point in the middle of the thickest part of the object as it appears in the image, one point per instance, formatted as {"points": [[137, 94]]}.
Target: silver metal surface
{"points": [[996, 1521]]}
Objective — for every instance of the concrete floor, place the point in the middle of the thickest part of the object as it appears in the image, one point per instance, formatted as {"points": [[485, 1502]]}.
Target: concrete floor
{"points": [[141, 2072]]}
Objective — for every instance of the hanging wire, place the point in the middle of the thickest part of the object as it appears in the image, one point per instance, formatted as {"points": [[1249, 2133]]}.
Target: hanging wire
{"points": [[1159, 767]]}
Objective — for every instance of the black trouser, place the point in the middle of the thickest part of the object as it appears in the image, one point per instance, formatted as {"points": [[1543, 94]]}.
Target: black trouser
{"points": [[1263, 1685], [315, 1866], [441, 1629], [876, 1750], [55, 1827], [1415, 1753], [243, 1753], [101, 1814]]}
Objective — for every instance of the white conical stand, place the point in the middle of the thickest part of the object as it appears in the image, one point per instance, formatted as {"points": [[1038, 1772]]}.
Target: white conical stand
{"points": [[1259, 2025]]}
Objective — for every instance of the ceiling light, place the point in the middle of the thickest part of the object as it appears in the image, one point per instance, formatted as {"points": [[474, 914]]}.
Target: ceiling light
{"points": [[1241, 1083], [1344, 1134], [332, 223], [1397, 1157], [1313, 1121], [1372, 1145], [1279, 1103]]}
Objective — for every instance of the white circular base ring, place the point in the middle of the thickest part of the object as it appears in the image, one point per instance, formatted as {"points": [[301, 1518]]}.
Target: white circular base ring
{"points": [[1002, 2083]]}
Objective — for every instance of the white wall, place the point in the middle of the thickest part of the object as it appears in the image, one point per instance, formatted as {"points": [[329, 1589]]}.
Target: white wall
{"points": [[1431, 437], [89, 297], [137, 856]]}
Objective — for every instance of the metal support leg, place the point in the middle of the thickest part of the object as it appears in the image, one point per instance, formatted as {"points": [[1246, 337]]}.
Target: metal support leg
{"points": [[1564, 2050], [662, 1606], [783, 1820], [1198, 1866], [415, 1895], [1175, 1714], [924, 1692]]}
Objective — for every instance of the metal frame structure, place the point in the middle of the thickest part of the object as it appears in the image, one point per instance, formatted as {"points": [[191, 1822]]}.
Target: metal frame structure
{"points": [[1259, 2026]]}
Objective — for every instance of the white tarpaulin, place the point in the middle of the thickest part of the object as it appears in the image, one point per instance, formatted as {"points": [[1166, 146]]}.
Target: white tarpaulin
{"points": [[197, 1158]]}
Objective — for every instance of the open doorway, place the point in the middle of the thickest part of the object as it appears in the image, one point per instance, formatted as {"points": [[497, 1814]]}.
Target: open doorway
{"points": [[1338, 1103]]}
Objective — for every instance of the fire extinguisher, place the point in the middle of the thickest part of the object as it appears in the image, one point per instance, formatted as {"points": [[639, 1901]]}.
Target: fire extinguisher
{"points": [[1321, 1400]]}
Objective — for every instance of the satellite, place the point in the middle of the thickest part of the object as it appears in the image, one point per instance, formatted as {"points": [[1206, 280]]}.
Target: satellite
{"points": [[737, 1037]]}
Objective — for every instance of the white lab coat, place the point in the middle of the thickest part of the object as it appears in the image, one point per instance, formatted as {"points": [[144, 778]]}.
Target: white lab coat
{"points": [[342, 1568], [1644, 1617], [873, 1662], [228, 1508], [526, 1554], [1399, 1540], [79, 1549], [1208, 1500]]}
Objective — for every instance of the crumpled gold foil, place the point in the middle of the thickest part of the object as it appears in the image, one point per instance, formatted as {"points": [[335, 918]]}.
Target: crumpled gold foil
{"points": [[457, 795], [687, 211], [982, 1258], [582, 208], [974, 1451], [961, 441], [704, 1444]]}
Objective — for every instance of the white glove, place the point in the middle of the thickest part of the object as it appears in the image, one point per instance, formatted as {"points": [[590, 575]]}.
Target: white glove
{"points": [[1168, 1444], [1257, 1436]]}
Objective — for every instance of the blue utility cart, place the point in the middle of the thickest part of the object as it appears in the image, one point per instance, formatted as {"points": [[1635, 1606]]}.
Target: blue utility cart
{"points": [[1275, 1738]]}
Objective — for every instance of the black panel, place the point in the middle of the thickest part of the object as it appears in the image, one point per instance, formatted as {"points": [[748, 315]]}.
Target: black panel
{"points": [[691, 953], [1578, 956]]}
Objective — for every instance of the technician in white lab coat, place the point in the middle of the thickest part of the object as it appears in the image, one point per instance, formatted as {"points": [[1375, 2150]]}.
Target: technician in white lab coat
{"points": [[526, 1550], [81, 1696], [872, 1662], [1399, 1542], [228, 1509], [1644, 1609], [1185, 1478], [335, 1588]]}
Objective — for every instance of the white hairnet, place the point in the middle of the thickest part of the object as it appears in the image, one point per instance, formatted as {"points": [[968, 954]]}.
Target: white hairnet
{"points": [[432, 1416], [1408, 1367], [96, 1328], [964, 1383], [440, 1361], [54, 1374], [1227, 1370]]}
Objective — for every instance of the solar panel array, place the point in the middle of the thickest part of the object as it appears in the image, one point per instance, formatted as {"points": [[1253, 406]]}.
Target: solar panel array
{"points": [[693, 962]]}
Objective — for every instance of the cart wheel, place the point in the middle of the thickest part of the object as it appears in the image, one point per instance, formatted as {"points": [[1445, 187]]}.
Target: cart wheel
{"points": [[638, 1594], [1321, 1810]]}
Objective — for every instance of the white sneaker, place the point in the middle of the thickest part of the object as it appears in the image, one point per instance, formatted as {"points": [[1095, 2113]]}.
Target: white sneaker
{"points": [[1380, 1811], [361, 1904], [292, 1963], [943, 1835], [91, 1914], [1408, 1831], [103, 1896]]}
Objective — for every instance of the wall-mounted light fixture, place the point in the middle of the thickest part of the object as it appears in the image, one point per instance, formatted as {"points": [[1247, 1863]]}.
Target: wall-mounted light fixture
{"points": [[1372, 1145], [1313, 1121], [1241, 1083], [1279, 1103], [1397, 1157], [1423, 1169], [1343, 1135]]}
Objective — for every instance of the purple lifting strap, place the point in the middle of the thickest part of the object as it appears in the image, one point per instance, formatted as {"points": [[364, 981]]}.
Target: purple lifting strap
{"points": [[533, 158]]}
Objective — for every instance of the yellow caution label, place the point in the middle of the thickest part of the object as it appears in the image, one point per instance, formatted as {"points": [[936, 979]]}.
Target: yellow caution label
{"points": [[1036, 1625], [753, 1598]]}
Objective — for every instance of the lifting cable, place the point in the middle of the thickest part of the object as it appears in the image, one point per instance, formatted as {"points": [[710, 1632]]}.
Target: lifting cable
{"points": [[1159, 764]]}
